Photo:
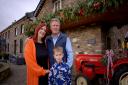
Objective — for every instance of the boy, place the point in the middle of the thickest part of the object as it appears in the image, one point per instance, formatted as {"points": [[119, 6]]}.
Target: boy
{"points": [[60, 73]]}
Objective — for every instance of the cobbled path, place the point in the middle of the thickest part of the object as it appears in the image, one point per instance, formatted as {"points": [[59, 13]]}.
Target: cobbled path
{"points": [[17, 76]]}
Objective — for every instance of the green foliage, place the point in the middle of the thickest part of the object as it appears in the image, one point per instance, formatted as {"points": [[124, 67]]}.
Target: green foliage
{"points": [[82, 8], [95, 6], [47, 18], [69, 13], [29, 29]]}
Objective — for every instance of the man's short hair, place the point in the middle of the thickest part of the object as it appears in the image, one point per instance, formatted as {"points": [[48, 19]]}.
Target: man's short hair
{"points": [[57, 49], [55, 19]]}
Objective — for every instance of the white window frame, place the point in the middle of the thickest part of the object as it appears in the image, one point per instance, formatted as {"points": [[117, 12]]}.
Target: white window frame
{"points": [[22, 28], [16, 31], [57, 5]]}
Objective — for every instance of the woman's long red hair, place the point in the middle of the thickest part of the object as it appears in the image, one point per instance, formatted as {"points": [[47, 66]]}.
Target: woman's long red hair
{"points": [[35, 37]]}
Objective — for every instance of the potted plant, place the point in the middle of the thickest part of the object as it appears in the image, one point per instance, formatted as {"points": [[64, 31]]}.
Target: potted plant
{"points": [[29, 29]]}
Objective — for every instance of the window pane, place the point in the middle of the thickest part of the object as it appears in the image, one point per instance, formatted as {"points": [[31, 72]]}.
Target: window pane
{"points": [[57, 5], [15, 46], [21, 46], [22, 28], [16, 31]]}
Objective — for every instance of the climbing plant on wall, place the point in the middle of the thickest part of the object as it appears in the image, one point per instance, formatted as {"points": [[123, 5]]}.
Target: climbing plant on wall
{"points": [[81, 9]]}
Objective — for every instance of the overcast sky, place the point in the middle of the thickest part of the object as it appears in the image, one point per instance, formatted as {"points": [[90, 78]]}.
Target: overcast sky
{"points": [[11, 10]]}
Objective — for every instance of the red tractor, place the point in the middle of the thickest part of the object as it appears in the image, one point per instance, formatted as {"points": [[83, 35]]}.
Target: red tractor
{"points": [[90, 68]]}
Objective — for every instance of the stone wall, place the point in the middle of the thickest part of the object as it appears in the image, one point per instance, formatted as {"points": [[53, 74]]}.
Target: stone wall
{"points": [[86, 39], [48, 6]]}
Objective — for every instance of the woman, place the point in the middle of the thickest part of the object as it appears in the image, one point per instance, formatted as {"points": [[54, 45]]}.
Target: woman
{"points": [[36, 57]]}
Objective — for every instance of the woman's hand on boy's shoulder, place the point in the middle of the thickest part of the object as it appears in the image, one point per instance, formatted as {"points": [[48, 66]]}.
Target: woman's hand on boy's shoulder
{"points": [[47, 71]]}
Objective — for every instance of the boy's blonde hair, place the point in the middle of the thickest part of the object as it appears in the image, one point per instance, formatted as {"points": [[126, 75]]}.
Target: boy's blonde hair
{"points": [[57, 49]]}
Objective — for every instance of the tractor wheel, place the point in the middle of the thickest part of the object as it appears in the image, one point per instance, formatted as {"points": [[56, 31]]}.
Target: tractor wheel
{"points": [[81, 80], [121, 76]]}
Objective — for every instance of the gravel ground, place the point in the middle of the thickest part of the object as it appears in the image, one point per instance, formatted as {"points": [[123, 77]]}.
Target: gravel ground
{"points": [[17, 76]]}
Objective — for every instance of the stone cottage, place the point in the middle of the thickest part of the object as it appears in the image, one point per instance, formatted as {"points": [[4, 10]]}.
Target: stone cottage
{"points": [[91, 35]]}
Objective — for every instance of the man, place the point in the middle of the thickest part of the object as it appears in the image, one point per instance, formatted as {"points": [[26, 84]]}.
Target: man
{"points": [[58, 38]]}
